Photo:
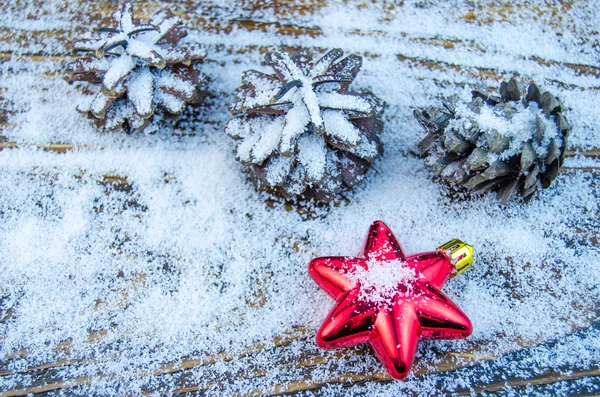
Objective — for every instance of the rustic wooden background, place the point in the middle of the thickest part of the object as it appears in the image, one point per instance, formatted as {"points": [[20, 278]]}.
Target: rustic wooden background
{"points": [[47, 379]]}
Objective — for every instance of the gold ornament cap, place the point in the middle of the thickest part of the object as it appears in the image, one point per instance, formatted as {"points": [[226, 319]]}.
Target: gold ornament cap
{"points": [[460, 254]]}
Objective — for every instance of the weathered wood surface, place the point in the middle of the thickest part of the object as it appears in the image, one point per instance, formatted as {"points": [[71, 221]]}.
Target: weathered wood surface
{"points": [[46, 379]]}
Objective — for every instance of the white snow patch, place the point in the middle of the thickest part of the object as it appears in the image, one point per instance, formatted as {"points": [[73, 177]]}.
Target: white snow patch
{"points": [[383, 280]]}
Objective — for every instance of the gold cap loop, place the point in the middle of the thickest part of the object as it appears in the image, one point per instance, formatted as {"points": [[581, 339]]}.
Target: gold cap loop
{"points": [[460, 254]]}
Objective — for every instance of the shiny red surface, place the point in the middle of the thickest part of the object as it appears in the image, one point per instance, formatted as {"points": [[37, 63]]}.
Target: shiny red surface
{"points": [[393, 327]]}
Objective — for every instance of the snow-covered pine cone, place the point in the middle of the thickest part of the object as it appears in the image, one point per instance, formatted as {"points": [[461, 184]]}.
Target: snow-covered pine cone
{"points": [[512, 143], [301, 131], [143, 76]]}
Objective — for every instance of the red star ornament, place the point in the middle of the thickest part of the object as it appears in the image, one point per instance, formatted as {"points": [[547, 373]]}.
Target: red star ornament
{"points": [[391, 300]]}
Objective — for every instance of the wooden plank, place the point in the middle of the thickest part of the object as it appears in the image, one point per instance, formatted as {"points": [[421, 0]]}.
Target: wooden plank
{"points": [[308, 363], [311, 359], [104, 11], [312, 362], [251, 25], [421, 62], [21, 39], [50, 384], [484, 12]]}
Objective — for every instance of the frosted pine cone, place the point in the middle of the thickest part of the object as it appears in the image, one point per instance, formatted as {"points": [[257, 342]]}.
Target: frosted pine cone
{"points": [[143, 76], [512, 143], [301, 131]]}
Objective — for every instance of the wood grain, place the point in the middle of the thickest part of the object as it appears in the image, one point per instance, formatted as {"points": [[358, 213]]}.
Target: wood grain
{"points": [[25, 46]]}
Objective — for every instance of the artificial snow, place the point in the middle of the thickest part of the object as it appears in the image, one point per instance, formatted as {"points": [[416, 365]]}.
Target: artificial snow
{"points": [[380, 281], [135, 252]]}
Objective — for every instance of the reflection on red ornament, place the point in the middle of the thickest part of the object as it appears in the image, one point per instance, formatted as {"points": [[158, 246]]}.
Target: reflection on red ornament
{"points": [[391, 300]]}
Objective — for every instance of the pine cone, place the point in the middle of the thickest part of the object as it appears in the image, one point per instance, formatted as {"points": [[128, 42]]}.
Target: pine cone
{"points": [[300, 131], [143, 77], [512, 143]]}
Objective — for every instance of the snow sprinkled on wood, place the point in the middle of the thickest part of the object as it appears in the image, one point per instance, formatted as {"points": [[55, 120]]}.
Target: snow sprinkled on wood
{"points": [[148, 263]]}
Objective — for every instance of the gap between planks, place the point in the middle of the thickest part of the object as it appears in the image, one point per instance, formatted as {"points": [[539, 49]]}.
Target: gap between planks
{"points": [[66, 147]]}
